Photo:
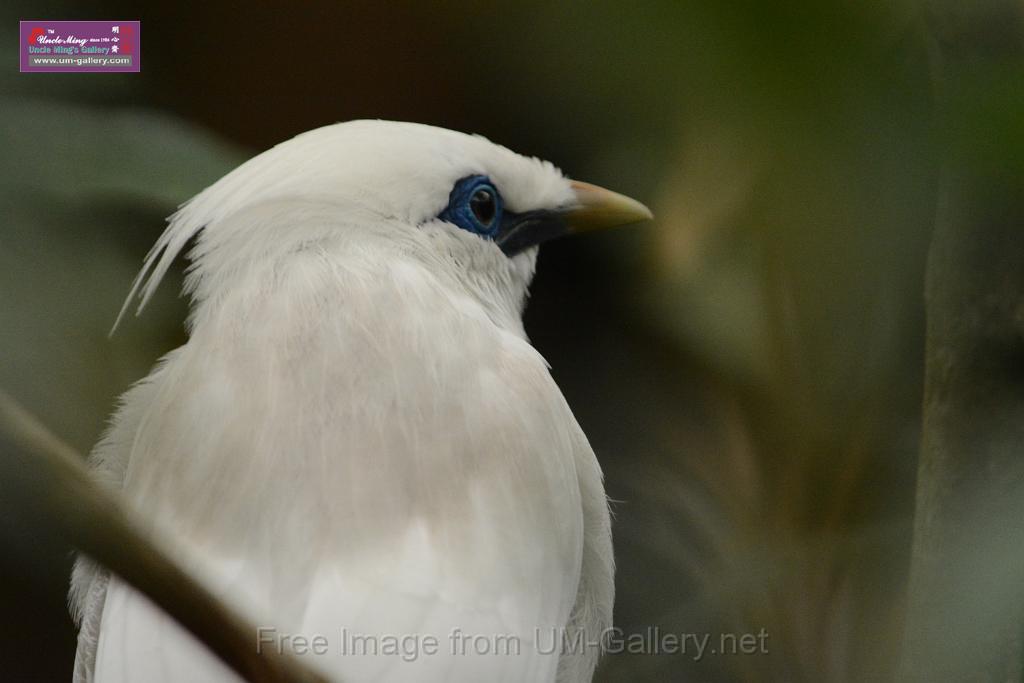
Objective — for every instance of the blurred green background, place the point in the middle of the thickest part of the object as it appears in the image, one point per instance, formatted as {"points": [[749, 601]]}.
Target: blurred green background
{"points": [[747, 367]]}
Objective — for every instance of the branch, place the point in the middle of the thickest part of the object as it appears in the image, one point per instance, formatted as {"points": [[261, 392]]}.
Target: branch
{"points": [[48, 481], [965, 611]]}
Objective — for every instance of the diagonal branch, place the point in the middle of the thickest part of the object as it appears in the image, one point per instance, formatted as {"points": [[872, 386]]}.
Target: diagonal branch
{"points": [[48, 481]]}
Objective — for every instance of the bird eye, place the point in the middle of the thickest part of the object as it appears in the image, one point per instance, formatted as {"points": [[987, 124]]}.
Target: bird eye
{"points": [[474, 205], [483, 206]]}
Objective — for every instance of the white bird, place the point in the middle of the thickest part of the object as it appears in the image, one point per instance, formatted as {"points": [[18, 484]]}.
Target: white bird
{"points": [[358, 443]]}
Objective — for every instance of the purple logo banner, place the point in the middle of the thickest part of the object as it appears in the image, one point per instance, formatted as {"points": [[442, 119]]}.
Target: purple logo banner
{"points": [[81, 46]]}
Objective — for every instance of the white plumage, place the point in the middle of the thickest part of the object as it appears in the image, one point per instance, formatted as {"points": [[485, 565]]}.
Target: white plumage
{"points": [[357, 438]]}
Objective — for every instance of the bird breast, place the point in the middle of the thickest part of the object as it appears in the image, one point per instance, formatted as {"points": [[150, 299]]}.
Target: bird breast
{"points": [[357, 414]]}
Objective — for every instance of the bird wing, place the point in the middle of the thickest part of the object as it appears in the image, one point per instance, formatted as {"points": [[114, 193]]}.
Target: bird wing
{"points": [[591, 617], [89, 581]]}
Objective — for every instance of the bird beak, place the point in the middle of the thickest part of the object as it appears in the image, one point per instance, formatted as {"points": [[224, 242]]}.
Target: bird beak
{"points": [[591, 208], [597, 208]]}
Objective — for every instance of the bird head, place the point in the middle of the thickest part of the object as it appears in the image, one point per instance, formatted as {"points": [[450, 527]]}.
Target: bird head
{"points": [[473, 209]]}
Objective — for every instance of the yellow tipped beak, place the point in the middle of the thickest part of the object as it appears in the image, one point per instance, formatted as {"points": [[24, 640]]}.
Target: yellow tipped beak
{"points": [[592, 208], [597, 208]]}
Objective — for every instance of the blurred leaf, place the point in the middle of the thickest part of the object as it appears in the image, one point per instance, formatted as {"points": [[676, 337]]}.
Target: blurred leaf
{"points": [[84, 192]]}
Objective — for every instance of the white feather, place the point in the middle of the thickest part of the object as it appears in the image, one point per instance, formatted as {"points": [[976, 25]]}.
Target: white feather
{"points": [[357, 434]]}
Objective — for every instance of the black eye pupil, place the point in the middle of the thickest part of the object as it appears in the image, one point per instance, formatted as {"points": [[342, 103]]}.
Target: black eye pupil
{"points": [[483, 206]]}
